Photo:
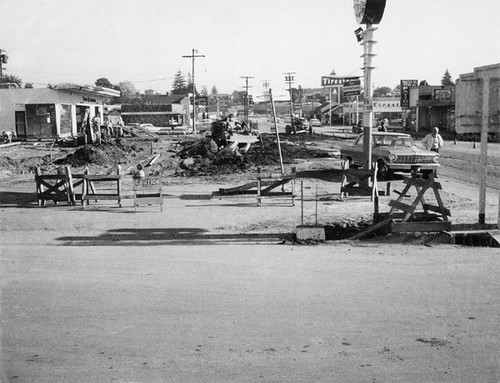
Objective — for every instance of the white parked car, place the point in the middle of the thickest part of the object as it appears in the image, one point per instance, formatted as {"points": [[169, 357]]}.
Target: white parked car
{"points": [[149, 128], [314, 122], [204, 125]]}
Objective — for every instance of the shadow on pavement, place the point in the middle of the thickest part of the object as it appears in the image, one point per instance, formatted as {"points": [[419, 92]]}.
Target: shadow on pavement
{"points": [[170, 236], [16, 199]]}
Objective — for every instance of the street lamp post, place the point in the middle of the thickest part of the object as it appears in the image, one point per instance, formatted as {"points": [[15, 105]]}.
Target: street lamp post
{"points": [[368, 12]]}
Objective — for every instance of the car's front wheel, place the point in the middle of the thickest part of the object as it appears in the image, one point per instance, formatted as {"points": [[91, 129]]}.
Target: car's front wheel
{"points": [[384, 171]]}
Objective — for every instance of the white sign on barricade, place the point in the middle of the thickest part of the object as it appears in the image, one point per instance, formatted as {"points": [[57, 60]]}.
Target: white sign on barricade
{"points": [[147, 191]]}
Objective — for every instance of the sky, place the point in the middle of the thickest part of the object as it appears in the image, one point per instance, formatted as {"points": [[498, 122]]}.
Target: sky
{"points": [[143, 41]]}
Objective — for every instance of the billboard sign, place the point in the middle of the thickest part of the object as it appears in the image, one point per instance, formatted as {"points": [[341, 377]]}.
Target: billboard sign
{"points": [[336, 81], [352, 86], [405, 92]]}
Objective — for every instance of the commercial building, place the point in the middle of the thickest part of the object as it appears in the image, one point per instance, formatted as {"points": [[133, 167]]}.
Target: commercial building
{"points": [[159, 110], [471, 88], [51, 113]]}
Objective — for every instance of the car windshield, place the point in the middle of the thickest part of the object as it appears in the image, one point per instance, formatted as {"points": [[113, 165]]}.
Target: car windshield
{"points": [[404, 141]]}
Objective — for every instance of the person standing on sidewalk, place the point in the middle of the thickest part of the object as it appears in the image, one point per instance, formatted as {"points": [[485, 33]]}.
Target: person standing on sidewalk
{"points": [[433, 141]]}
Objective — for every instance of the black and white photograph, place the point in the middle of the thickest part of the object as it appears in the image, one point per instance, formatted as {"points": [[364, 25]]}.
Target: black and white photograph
{"points": [[218, 191]]}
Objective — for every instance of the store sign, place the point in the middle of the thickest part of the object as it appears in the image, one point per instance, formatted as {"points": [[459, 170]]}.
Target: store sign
{"points": [[369, 11], [405, 92], [333, 81], [352, 86], [442, 94]]}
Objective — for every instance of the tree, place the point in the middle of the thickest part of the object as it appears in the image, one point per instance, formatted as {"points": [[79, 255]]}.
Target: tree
{"points": [[28, 85], [127, 89], [179, 85], [204, 91], [11, 79], [383, 91], [104, 82], [446, 80], [396, 92], [214, 91]]}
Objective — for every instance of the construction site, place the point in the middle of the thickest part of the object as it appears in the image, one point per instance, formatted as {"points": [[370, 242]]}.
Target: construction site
{"points": [[291, 256]]}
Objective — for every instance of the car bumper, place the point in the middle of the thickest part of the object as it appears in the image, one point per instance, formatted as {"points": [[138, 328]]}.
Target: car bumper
{"points": [[410, 167]]}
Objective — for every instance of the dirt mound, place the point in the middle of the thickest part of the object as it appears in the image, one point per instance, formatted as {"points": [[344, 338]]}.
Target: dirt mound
{"points": [[23, 165], [104, 154], [200, 158]]}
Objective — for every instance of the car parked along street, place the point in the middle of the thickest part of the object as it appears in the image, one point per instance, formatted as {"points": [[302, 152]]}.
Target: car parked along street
{"points": [[393, 152]]}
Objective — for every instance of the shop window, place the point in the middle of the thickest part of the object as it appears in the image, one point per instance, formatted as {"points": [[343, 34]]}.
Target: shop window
{"points": [[66, 120]]}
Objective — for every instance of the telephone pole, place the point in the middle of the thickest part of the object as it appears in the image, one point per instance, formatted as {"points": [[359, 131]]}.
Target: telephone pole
{"points": [[289, 79], [266, 84], [246, 107], [193, 56]]}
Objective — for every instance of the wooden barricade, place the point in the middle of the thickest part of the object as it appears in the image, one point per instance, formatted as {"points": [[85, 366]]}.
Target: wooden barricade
{"points": [[267, 182], [359, 182], [264, 186], [51, 187], [412, 221], [90, 191], [147, 191]]}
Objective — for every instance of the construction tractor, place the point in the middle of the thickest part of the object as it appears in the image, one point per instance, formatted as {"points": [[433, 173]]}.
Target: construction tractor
{"points": [[298, 125]]}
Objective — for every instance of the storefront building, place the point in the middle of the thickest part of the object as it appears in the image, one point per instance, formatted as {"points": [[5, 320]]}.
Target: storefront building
{"points": [[51, 113], [436, 108]]}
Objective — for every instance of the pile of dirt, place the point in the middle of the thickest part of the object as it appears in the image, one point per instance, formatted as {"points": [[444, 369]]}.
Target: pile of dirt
{"points": [[103, 154], [202, 158], [23, 165]]}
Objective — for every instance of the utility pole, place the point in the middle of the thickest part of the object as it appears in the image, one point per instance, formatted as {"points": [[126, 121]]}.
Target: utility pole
{"points": [[290, 79], [246, 97], [193, 56], [266, 84]]}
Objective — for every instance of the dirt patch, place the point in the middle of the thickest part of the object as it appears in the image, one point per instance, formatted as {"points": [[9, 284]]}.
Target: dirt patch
{"points": [[202, 158]]}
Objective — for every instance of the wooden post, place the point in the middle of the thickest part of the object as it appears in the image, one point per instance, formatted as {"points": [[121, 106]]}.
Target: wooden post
{"points": [[484, 149], [277, 133], [316, 221], [39, 187], [498, 223], [119, 184], [302, 203], [69, 188]]}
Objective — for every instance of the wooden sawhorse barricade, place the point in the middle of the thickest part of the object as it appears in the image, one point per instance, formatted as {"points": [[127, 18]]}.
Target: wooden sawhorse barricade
{"points": [[264, 186], [89, 187], [266, 182], [411, 220], [52, 187], [63, 185], [57, 187], [365, 179], [147, 191]]}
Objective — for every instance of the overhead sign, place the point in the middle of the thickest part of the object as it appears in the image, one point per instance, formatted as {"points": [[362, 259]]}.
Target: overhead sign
{"points": [[405, 92], [335, 81], [352, 87], [201, 100], [369, 11]]}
